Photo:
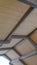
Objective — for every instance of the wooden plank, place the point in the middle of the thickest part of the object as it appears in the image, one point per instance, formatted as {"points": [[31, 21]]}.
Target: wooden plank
{"points": [[25, 47], [31, 61], [11, 12], [28, 24], [33, 36]]}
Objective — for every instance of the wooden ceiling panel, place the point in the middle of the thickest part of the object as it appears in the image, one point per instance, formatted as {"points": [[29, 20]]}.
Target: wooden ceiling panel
{"points": [[28, 24], [25, 47], [11, 12]]}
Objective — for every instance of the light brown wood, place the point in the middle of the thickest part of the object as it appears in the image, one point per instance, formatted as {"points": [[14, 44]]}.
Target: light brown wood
{"points": [[28, 24], [33, 36], [11, 11], [31, 61], [25, 47]]}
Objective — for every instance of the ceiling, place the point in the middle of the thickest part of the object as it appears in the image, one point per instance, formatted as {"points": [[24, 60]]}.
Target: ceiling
{"points": [[18, 32]]}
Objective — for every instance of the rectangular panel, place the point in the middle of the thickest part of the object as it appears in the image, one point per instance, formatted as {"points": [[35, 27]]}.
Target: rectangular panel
{"points": [[28, 24], [25, 47], [33, 36], [11, 12], [32, 60]]}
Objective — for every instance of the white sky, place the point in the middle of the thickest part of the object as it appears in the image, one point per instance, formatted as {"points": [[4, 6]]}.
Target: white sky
{"points": [[4, 61]]}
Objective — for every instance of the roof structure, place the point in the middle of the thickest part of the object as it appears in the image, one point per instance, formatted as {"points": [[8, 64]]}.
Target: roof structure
{"points": [[18, 32]]}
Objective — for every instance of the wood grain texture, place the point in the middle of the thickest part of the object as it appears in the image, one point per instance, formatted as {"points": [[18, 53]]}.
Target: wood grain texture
{"points": [[25, 47], [31, 61], [33, 36], [11, 11], [28, 24]]}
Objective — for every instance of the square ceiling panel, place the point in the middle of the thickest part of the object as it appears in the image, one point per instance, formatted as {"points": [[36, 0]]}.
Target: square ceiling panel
{"points": [[11, 12], [28, 24]]}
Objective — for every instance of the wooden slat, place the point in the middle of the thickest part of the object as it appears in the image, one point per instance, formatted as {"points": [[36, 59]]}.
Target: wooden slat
{"points": [[11, 12], [31, 61], [33, 36], [25, 47], [28, 24]]}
